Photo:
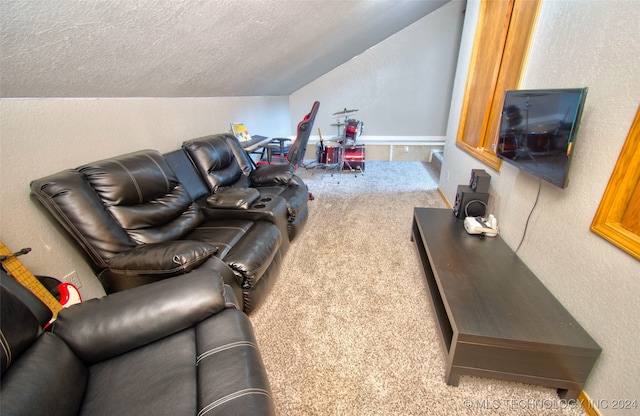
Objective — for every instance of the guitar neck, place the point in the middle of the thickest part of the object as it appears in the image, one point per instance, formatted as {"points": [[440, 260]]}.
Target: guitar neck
{"points": [[16, 269]]}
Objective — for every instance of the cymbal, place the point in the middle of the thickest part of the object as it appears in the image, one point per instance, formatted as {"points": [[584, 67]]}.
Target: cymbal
{"points": [[345, 111]]}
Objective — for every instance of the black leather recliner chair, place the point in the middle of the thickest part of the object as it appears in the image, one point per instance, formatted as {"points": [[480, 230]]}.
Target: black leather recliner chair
{"points": [[137, 224], [175, 347], [222, 164]]}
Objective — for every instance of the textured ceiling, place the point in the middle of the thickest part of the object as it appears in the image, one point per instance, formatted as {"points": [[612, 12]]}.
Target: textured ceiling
{"points": [[186, 48]]}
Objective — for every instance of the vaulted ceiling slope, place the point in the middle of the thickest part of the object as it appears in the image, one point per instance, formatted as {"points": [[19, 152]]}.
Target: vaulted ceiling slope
{"points": [[187, 48]]}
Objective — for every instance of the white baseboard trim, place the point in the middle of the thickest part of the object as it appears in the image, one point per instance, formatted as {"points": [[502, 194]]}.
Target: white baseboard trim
{"points": [[391, 140], [435, 141]]}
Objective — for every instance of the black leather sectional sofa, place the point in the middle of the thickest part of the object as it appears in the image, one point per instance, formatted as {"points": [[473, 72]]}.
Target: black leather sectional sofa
{"points": [[143, 216], [174, 347], [185, 244]]}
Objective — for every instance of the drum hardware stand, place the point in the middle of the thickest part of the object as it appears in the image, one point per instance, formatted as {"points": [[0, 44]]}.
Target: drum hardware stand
{"points": [[338, 124]]}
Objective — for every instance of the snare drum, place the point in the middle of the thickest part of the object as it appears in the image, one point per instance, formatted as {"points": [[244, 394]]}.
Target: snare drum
{"points": [[331, 153]]}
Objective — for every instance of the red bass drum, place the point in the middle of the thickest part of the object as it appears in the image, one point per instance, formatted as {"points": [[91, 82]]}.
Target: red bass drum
{"points": [[354, 158]]}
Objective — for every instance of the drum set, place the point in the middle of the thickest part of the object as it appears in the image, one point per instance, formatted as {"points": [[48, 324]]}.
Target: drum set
{"points": [[341, 152]]}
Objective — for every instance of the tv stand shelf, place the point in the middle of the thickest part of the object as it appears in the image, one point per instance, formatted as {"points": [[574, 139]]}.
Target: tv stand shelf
{"points": [[496, 318]]}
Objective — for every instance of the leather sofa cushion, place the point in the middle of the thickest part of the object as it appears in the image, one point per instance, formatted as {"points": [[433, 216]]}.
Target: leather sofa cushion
{"points": [[223, 233], [144, 195], [220, 373], [152, 212], [247, 256], [157, 379], [169, 258], [34, 385]]}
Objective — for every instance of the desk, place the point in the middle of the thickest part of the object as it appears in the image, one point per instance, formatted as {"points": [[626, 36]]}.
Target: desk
{"points": [[255, 143], [496, 318]]}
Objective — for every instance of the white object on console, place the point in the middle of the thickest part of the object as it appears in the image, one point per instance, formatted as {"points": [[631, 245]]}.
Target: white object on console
{"points": [[480, 225]]}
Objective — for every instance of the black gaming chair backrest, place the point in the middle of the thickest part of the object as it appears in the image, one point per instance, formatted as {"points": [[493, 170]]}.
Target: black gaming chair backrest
{"points": [[299, 146]]}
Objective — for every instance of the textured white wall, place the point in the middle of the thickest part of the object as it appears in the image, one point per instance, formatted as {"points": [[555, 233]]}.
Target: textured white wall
{"points": [[43, 136], [576, 43], [402, 86]]}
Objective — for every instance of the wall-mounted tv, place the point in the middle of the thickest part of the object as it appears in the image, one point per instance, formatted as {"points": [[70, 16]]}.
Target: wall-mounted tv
{"points": [[538, 129]]}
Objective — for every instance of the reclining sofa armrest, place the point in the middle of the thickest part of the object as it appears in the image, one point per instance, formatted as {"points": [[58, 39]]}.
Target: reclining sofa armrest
{"points": [[98, 329], [168, 258], [267, 175], [233, 198]]}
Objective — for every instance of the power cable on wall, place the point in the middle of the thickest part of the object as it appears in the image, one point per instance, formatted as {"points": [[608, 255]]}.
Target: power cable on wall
{"points": [[526, 226]]}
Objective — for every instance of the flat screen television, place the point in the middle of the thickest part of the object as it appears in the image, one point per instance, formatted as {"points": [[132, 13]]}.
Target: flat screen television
{"points": [[538, 130]]}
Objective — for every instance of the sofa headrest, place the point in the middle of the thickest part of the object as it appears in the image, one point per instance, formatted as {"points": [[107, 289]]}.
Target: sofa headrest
{"points": [[130, 179], [214, 158], [214, 149], [144, 195]]}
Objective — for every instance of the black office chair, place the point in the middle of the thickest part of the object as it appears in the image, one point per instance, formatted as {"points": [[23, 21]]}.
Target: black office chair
{"points": [[295, 154]]}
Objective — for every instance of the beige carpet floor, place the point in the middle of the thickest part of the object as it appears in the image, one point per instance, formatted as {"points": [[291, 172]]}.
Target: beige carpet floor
{"points": [[348, 327]]}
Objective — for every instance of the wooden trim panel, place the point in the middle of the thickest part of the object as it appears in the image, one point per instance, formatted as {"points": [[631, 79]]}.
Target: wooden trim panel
{"points": [[500, 48], [616, 217]]}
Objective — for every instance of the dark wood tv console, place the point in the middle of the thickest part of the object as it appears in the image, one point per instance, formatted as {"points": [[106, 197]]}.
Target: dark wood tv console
{"points": [[496, 318]]}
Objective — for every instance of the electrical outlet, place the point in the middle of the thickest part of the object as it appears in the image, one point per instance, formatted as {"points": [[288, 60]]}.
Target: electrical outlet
{"points": [[448, 176], [406, 149], [73, 279]]}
